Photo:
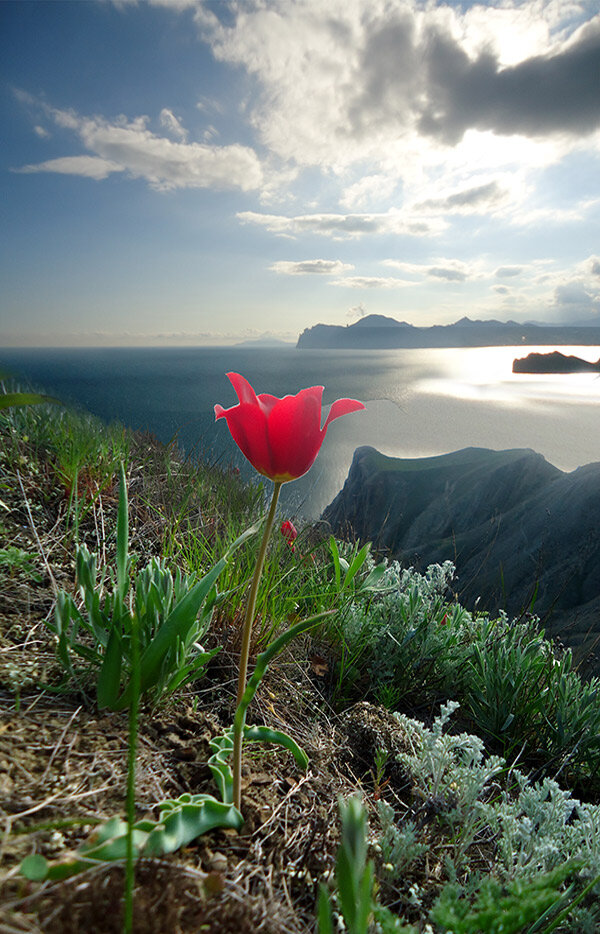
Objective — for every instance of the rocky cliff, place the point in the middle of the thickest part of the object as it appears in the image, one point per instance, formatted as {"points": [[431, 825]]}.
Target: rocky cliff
{"points": [[521, 533]]}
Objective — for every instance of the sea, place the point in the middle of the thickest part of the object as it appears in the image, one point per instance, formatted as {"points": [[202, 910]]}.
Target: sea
{"points": [[419, 402]]}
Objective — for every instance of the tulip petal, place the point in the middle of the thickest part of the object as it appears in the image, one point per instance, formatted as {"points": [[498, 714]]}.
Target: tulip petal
{"points": [[248, 426], [294, 432], [342, 407], [267, 402], [243, 389]]}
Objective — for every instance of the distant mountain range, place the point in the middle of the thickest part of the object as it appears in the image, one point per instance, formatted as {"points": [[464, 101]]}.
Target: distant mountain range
{"points": [[523, 534], [264, 342], [378, 332]]}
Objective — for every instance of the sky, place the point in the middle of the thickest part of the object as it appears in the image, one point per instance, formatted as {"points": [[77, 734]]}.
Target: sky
{"points": [[198, 172]]}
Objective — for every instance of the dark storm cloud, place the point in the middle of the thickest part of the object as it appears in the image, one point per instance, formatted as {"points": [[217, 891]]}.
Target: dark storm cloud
{"points": [[389, 75], [433, 82], [541, 95]]}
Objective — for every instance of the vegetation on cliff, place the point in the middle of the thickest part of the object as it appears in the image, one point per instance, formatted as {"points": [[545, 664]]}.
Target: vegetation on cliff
{"points": [[521, 533], [471, 741]]}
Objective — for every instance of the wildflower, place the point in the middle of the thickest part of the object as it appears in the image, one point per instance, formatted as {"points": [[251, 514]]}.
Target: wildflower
{"points": [[289, 532], [280, 437]]}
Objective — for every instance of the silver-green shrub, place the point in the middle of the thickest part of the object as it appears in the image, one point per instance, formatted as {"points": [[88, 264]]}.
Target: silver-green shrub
{"points": [[408, 638], [529, 830]]}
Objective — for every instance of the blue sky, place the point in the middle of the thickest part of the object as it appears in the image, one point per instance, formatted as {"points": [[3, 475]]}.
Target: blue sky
{"points": [[189, 172]]}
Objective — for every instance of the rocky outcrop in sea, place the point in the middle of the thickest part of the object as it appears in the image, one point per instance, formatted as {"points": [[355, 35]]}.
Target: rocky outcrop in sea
{"points": [[554, 362]]}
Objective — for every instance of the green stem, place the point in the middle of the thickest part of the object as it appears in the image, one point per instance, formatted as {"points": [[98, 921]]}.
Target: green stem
{"points": [[245, 649], [133, 732]]}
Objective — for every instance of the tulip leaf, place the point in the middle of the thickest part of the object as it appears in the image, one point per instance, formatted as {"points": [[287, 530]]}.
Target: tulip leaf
{"points": [[219, 765], [264, 734], [175, 627], [372, 579], [122, 535], [222, 747], [335, 554], [34, 867], [192, 671], [356, 564], [263, 660], [325, 923], [188, 817], [178, 622], [181, 821], [109, 676]]}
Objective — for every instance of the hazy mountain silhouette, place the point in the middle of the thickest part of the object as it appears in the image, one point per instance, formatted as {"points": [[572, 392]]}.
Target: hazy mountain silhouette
{"points": [[378, 332]]}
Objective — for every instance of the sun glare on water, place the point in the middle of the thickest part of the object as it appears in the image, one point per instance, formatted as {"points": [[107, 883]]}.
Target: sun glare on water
{"points": [[485, 373]]}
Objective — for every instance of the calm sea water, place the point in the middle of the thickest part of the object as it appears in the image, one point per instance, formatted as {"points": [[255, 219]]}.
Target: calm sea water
{"points": [[419, 402]]}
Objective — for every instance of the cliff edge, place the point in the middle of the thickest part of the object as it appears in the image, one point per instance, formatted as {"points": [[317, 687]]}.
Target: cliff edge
{"points": [[523, 534]]}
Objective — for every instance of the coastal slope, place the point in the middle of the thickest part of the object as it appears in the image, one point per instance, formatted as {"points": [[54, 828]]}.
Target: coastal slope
{"points": [[523, 534]]}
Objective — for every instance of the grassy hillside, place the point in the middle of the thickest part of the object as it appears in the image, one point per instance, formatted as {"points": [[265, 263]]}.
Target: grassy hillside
{"points": [[472, 742]]}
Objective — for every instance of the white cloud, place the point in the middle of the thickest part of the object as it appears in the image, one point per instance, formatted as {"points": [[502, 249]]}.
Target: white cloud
{"points": [[447, 270], [475, 199], [447, 273], [508, 272], [369, 189], [395, 84], [341, 226], [323, 267], [86, 166], [371, 282], [170, 4], [357, 311], [577, 300], [172, 125], [130, 146], [208, 104], [553, 216]]}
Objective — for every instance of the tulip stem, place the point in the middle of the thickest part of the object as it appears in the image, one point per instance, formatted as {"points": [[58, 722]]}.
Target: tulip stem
{"points": [[238, 728]]}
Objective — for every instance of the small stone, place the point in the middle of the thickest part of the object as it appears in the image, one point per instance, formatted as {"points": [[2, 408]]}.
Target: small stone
{"points": [[217, 862]]}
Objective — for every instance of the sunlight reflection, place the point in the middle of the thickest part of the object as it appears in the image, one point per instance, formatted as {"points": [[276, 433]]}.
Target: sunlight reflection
{"points": [[485, 373]]}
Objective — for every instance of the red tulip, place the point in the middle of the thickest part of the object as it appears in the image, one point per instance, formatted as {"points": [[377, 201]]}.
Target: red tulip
{"points": [[290, 533], [280, 437]]}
